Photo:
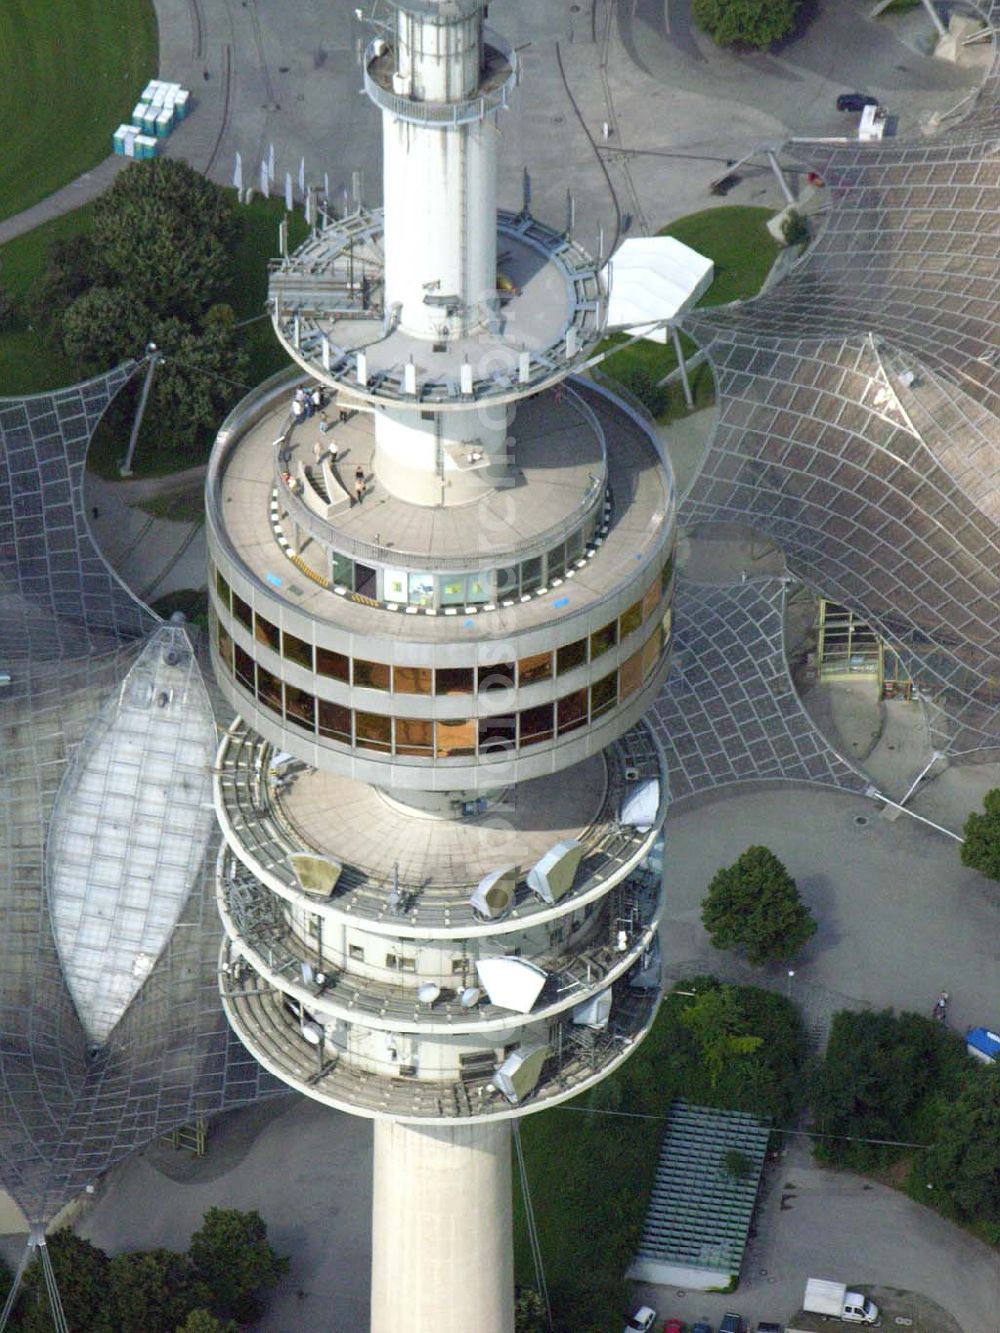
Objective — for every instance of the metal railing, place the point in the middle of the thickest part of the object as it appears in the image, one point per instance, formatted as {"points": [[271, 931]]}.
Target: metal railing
{"points": [[442, 114]]}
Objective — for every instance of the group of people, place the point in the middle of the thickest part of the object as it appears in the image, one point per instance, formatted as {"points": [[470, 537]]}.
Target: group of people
{"points": [[306, 404]]}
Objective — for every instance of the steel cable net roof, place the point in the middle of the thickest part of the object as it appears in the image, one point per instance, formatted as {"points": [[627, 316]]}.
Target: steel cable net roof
{"points": [[859, 408], [730, 711], [86, 1079]]}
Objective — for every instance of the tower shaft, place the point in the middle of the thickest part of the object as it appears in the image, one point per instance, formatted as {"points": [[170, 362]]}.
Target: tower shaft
{"points": [[441, 1253]]}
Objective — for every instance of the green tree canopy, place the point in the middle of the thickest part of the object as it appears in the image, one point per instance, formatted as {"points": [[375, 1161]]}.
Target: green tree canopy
{"points": [[964, 1162], [165, 233], [529, 1312], [884, 1076], [981, 848], [81, 1273], [754, 904], [231, 1254], [718, 1025], [152, 1291], [752, 23]]}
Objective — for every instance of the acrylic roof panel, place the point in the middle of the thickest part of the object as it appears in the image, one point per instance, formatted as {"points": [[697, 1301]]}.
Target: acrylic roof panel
{"points": [[130, 827], [653, 278]]}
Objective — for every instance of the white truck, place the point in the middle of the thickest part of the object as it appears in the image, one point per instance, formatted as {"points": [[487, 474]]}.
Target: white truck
{"points": [[835, 1301]]}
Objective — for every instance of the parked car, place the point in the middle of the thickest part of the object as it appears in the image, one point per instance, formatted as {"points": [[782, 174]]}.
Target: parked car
{"points": [[673, 1326], [855, 101], [701, 1327], [732, 1323], [642, 1321], [770, 1328]]}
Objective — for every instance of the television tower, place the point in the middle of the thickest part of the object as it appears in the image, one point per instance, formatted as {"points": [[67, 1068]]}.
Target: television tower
{"points": [[440, 607]]}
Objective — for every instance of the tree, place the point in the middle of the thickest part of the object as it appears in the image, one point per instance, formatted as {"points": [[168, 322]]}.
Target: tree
{"points": [[888, 1077], [203, 1321], [964, 1162], [230, 1252], [165, 233], [81, 1273], [981, 848], [715, 1019], [753, 23], [754, 904], [152, 1291]]}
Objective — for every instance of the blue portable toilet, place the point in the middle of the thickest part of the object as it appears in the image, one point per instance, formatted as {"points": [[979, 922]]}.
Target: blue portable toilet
{"points": [[982, 1044]]}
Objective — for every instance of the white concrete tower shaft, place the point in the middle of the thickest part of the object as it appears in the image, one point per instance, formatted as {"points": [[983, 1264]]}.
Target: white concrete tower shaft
{"points": [[439, 175], [442, 1260]]}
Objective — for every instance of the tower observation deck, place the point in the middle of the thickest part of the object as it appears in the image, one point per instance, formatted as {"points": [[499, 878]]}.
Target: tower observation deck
{"points": [[440, 607]]}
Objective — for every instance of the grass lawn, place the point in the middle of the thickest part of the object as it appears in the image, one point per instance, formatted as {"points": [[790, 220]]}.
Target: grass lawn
{"points": [[741, 248], [590, 1174], [70, 73]]}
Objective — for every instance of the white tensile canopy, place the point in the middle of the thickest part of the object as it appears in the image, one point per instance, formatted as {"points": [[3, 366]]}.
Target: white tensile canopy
{"points": [[640, 804], [654, 278], [553, 875]]}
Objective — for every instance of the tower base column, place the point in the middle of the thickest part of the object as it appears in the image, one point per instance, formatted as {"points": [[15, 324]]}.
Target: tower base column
{"points": [[442, 1245]]}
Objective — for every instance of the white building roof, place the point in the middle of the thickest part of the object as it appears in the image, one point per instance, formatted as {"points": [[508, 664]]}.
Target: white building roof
{"points": [[131, 825], [653, 278]]}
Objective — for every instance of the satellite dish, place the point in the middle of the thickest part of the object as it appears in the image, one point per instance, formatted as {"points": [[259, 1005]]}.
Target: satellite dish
{"points": [[428, 992], [312, 1032], [470, 997]]}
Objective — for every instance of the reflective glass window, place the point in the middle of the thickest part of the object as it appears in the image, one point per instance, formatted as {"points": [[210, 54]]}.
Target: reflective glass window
{"points": [[537, 667], [651, 653], [365, 581], [630, 675], [497, 736], [453, 587], [531, 575], [630, 619], [266, 633], [555, 562], [453, 680], [570, 656], [335, 665], [651, 599], [244, 668], [456, 738], [242, 612], [421, 590], [498, 677], [222, 588], [571, 711], [603, 695], [297, 650], [479, 588], [343, 570], [334, 721], [603, 639], [574, 547], [371, 675], [394, 585], [414, 735], [666, 572], [535, 724], [507, 582], [226, 648], [268, 689], [300, 707], [373, 731], [412, 680]]}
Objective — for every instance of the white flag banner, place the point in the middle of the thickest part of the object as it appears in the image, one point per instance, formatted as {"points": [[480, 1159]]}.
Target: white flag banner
{"points": [[289, 197], [238, 172], [265, 184], [270, 163], [302, 175]]}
